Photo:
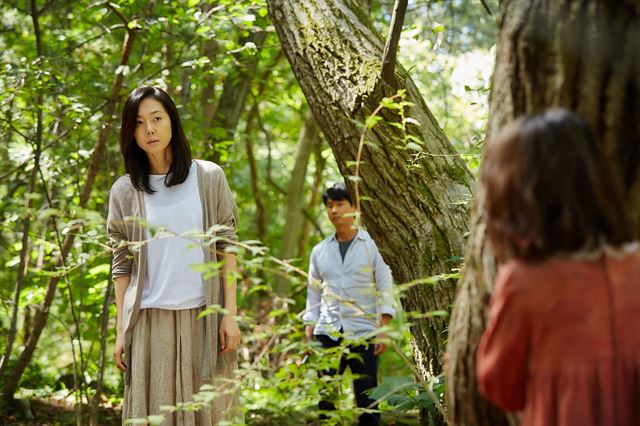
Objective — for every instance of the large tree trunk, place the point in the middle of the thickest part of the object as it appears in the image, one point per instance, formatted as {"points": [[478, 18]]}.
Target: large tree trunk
{"points": [[582, 55], [417, 212]]}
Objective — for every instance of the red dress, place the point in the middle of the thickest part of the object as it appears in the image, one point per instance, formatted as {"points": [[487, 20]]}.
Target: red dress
{"points": [[563, 342]]}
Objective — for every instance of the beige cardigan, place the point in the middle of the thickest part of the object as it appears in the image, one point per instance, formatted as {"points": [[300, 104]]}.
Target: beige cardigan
{"points": [[125, 222]]}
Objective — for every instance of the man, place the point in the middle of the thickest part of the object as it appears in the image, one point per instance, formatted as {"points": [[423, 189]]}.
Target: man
{"points": [[349, 297]]}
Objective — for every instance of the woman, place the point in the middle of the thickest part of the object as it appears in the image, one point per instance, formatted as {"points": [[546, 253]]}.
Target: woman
{"points": [[562, 344], [165, 348]]}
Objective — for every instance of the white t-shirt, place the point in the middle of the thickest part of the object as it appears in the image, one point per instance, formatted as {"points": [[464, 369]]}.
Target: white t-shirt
{"points": [[171, 281]]}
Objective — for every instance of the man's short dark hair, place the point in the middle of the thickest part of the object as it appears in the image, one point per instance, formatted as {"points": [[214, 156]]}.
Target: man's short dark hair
{"points": [[336, 193]]}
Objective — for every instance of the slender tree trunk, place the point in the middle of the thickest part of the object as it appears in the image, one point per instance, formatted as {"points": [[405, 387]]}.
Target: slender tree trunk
{"points": [[95, 402], [233, 100], [582, 55], [8, 134], [252, 117], [208, 95], [26, 224], [294, 218], [314, 196], [417, 214], [186, 89], [42, 315], [261, 214]]}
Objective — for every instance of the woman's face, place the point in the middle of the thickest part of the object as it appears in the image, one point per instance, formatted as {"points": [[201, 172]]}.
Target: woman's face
{"points": [[153, 129]]}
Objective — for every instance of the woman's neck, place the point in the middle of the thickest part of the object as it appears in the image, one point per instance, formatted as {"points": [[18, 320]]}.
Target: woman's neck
{"points": [[159, 164]]}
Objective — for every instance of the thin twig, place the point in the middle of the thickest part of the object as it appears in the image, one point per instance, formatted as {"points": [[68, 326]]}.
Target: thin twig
{"points": [[115, 10], [389, 57], [486, 7]]}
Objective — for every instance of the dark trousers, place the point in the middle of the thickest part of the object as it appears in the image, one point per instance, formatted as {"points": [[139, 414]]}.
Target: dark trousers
{"points": [[367, 372]]}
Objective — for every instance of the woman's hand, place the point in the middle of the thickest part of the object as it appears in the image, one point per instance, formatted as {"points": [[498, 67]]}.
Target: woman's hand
{"points": [[229, 334], [118, 351]]}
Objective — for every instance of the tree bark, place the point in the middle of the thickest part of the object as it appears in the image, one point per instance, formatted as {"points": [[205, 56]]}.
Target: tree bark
{"points": [[207, 104], [581, 55], [309, 137], [314, 196], [104, 327], [233, 100], [261, 213], [26, 224], [42, 315], [417, 210]]}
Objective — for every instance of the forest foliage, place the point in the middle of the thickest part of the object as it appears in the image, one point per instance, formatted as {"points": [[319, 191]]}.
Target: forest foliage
{"points": [[63, 77]]}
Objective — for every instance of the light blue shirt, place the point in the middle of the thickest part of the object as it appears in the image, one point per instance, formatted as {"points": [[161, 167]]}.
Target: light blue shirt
{"points": [[352, 294]]}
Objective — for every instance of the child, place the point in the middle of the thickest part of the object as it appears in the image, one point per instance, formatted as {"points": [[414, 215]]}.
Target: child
{"points": [[562, 343]]}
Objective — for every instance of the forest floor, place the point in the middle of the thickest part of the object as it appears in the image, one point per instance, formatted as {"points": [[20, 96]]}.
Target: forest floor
{"points": [[47, 412], [51, 412]]}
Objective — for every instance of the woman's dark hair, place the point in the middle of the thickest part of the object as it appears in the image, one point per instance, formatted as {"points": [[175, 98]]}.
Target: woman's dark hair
{"points": [[336, 193], [548, 189], [135, 159]]}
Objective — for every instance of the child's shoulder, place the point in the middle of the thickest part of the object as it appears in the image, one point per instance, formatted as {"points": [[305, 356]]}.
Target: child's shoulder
{"points": [[627, 256], [523, 274]]}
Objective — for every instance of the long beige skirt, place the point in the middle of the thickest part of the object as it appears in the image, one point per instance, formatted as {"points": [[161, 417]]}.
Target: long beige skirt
{"points": [[166, 361]]}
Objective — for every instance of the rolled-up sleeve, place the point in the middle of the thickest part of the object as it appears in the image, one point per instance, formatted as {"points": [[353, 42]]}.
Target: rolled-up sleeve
{"points": [[312, 311], [122, 261], [226, 213], [384, 285]]}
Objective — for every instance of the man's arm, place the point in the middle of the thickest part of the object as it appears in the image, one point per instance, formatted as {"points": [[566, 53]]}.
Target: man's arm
{"points": [[312, 311], [384, 286], [382, 338]]}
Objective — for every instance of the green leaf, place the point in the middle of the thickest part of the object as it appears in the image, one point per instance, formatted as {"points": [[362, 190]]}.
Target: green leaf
{"points": [[414, 146], [156, 420], [372, 120], [100, 269]]}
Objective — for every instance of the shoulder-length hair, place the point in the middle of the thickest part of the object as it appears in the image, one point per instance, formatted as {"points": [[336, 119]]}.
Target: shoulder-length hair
{"points": [[136, 161], [548, 189]]}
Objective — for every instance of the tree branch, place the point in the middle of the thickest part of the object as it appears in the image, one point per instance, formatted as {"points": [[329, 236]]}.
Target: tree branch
{"points": [[115, 10], [486, 7], [391, 47], [45, 7]]}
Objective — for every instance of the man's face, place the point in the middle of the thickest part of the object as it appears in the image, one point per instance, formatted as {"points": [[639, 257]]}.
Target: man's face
{"points": [[340, 212]]}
